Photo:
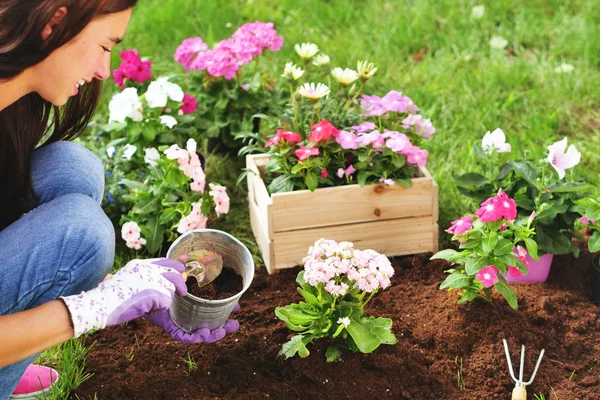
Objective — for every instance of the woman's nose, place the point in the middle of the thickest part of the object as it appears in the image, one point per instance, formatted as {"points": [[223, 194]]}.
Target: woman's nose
{"points": [[103, 71]]}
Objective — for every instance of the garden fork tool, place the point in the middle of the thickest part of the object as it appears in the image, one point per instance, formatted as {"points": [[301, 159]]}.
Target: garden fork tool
{"points": [[204, 265], [520, 391]]}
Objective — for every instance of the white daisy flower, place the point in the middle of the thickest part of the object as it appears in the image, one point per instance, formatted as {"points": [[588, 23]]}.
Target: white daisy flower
{"points": [[306, 51], [344, 76], [313, 91]]}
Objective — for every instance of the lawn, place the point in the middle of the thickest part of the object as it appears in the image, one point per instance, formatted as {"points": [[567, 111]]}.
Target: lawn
{"points": [[434, 51]]}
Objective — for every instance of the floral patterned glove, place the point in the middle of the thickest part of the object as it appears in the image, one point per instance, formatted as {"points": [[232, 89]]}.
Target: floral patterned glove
{"points": [[139, 288]]}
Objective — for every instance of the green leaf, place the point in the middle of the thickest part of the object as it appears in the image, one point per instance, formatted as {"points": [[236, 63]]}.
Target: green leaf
{"points": [[294, 315], [404, 182], [155, 236], [489, 242], [479, 151], [504, 288], [532, 248], [472, 179], [444, 255], [333, 353], [594, 242], [146, 206], [167, 215], [112, 126], [456, 280], [476, 263], [526, 170], [310, 298], [131, 183], [592, 211], [311, 181], [369, 333], [281, 184], [504, 246], [550, 240], [296, 345], [568, 187]]}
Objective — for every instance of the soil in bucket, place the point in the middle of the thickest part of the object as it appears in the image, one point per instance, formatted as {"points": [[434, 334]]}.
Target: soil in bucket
{"points": [[227, 284]]}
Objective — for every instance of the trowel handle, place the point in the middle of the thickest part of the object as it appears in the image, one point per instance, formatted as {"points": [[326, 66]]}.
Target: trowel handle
{"points": [[519, 393]]}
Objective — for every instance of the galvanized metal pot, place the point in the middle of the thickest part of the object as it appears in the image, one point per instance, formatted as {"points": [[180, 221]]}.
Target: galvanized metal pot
{"points": [[191, 313]]}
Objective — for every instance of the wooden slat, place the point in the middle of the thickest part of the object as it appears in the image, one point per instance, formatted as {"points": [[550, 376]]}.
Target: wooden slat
{"points": [[390, 237], [351, 204], [260, 231]]}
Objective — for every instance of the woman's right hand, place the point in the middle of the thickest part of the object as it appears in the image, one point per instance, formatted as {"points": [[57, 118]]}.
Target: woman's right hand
{"points": [[141, 287]]}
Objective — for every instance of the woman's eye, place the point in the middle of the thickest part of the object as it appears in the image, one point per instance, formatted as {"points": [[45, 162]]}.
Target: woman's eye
{"points": [[106, 49]]}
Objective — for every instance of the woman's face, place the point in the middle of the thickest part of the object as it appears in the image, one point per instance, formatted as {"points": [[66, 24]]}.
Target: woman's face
{"points": [[85, 57]]}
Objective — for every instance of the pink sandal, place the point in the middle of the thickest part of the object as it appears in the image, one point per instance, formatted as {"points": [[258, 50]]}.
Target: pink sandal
{"points": [[35, 383]]}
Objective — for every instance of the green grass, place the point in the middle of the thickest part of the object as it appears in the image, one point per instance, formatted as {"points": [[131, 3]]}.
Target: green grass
{"points": [[462, 84]]}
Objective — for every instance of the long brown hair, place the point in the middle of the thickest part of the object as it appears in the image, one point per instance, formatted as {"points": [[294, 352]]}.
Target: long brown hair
{"points": [[26, 122]]}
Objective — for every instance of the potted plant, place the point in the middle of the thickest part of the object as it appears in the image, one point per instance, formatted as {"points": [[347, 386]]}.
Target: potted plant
{"points": [[543, 187], [493, 245], [342, 165]]}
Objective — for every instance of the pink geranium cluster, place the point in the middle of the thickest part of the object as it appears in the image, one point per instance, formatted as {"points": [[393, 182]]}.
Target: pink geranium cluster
{"points": [[130, 232], [227, 56], [132, 68], [497, 207], [338, 267]]}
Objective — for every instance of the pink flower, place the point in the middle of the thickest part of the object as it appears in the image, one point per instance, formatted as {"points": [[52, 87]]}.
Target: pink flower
{"points": [[388, 181], [324, 173], [130, 232], [422, 127], [514, 272], [584, 220], [375, 139], [395, 102], [175, 152], [561, 158], [461, 225], [417, 156], [488, 276], [199, 180], [219, 194], [190, 104], [398, 142], [364, 127], [286, 136], [188, 50], [371, 106], [322, 131], [304, 152], [507, 206], [348, 171], [347, 140], [195, 220], [489, 211], [503, 227], [132, 68], [259, 36]]}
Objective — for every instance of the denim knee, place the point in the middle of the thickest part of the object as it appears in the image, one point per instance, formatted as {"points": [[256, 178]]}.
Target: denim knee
{"points": [[65, 167], [89, 248]]}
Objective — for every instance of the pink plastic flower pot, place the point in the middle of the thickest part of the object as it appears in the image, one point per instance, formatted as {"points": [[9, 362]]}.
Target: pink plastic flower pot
{"points": [[538, 270]]}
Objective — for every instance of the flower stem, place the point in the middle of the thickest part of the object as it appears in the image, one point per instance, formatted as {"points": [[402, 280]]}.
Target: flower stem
{"points": [[362, 85]]}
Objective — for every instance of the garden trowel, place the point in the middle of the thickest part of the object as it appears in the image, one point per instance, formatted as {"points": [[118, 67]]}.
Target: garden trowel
{"points": [[204, 265]]}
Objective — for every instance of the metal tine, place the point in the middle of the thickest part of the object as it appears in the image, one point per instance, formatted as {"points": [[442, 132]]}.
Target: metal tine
{"points": [[522, 364], [510, 368], [537, 364]]}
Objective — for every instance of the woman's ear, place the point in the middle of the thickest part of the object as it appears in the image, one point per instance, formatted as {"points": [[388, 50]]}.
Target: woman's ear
{"points": [[56, 18]]}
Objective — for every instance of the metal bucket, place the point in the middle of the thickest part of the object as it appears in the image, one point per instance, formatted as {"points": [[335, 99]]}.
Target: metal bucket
{"points": [[191, 313]]}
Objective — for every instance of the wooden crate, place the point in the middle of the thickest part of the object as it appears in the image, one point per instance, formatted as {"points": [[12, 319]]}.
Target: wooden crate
{"points": [[393, 220]]}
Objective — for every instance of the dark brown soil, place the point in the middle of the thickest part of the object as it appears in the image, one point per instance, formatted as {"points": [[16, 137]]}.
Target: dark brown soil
{"points": [[227, 284], [436, 335]]}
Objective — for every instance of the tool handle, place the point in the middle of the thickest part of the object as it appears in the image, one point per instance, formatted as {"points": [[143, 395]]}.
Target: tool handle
{"points": [[519, 393]]}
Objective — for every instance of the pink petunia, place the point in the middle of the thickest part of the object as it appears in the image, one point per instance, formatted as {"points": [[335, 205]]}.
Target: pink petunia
{"points": [[305, 152], [584, 220], [488, 276], [132, 68], [461, 225], [371, 106]]}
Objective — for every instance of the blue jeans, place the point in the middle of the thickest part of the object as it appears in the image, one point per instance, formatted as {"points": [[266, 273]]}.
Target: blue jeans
{"points": [[62, 247]]}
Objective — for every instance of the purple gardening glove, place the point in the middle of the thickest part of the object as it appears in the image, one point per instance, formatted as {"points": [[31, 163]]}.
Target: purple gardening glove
{"points": [[163, 319], [139, 288]]}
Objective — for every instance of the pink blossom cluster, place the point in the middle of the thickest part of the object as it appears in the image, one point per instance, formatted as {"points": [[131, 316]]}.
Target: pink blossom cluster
{"points": [[461, 225], [130, 232], [132, 68], [189, 163], [497, 207], [338, 266], [221, 198], [488, 276], [227, 56], [194, 220], [283, 136]]}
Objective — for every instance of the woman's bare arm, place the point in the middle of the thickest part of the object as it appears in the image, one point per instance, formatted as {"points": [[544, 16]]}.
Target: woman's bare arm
{"points": [[26, 333]]}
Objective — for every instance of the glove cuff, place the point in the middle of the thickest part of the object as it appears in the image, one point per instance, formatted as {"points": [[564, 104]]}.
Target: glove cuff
{"points": [[85, 315]]}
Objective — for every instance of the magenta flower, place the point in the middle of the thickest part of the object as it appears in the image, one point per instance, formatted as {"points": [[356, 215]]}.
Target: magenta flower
{"points": [[259, 36], [489, 211], [561, 158], [324, 173], [190, 104], [132, 68], [506, 206], [304, 152], [461, 225], [488, 276], [347, 140], [514, 272], [322, 131], [584, 220]]}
